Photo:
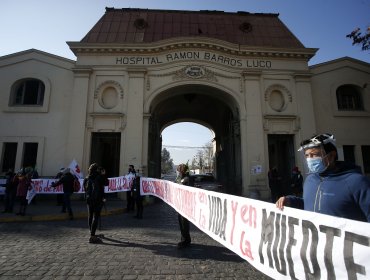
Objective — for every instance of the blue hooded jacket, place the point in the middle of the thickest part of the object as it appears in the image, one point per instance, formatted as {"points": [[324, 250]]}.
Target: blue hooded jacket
{"points": [[342, 192]]}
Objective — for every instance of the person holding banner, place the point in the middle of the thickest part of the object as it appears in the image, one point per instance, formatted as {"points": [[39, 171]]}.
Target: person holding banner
{"points": [[129, 194], [24, 184], [138, 198], [67, 181], [332, 187], [183, 179]]}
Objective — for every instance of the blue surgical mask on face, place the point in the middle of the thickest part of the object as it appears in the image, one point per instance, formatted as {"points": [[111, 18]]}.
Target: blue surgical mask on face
{"points": [[316, 165]]}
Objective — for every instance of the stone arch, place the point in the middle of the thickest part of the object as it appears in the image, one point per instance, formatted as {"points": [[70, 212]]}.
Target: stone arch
{"points": [[202, 103], [235, 97]]}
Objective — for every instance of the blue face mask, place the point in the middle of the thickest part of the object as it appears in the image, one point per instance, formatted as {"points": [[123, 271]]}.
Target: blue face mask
{"points": [[316, 165]]}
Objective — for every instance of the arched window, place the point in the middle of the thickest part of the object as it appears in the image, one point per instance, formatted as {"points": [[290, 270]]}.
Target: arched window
{"points": [[349, 98], [27, 92]]}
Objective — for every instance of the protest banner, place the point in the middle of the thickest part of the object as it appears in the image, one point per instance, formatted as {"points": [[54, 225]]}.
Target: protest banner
{"points": [[43, 186], [289, 244]]}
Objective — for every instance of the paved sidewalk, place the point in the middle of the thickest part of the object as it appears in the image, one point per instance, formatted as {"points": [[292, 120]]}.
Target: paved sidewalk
{"points": [[131, 249]]}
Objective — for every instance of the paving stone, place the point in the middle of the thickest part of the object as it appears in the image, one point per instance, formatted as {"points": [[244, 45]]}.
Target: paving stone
{"points": [[132, 249]]}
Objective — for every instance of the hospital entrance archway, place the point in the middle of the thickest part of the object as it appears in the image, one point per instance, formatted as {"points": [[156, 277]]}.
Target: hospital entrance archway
{"points": [[207, 106]]}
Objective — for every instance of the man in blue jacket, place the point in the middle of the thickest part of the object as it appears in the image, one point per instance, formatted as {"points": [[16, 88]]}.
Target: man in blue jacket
{"points": [[332, 187]]}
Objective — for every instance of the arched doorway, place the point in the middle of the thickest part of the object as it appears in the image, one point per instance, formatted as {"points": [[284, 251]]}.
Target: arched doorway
{"points": [[210, 107]]}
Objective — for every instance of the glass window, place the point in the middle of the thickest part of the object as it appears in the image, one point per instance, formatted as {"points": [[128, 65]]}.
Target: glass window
{"points": [[366, 158], [9, 155], [28, 92], [29, 154], [349, 98], [349, 153]]}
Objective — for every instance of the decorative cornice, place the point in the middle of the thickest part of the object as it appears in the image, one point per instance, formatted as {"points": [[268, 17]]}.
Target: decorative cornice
{"points": [[187, 43]]}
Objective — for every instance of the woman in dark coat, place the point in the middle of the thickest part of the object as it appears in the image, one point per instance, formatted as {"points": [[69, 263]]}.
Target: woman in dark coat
{"points": [[95, 197]]}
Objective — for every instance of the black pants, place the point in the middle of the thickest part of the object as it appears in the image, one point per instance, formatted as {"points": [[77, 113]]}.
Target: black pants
{"points": [[67, 203], [184, 229], [139, 206], [9, 200], [94, 210], [130, 201]]}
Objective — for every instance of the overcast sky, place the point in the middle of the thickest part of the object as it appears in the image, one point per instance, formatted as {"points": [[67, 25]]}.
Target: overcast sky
{"points": [[47, 25]]}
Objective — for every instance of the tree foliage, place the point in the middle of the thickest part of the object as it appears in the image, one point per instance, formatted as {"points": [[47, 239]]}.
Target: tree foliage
{"points": [[166, 162], [359, 39]]}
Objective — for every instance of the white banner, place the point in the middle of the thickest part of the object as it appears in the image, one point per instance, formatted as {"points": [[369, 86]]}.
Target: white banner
{"points": [[43, 186], [116, 184], [289, 244]]}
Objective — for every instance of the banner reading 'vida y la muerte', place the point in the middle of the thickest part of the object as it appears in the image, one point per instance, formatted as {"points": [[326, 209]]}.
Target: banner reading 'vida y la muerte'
{"points": [[289, 244]]}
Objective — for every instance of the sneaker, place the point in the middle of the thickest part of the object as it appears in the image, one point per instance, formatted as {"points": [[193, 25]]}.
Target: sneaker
{"points": [[95, 240]]}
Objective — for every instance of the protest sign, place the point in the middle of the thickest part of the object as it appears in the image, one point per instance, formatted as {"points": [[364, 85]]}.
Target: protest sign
{"points": [[289, 244]]}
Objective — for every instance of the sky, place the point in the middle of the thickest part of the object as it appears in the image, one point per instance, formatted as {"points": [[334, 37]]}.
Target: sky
{"points": [[47, 25]]}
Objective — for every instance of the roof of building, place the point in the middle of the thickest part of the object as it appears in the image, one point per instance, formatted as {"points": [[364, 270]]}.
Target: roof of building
{"points": [[133, 26]]}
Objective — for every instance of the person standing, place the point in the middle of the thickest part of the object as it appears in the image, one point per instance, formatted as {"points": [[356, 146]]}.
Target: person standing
{"points": [[129, 193], [67, 180], [24, 184], [59, 195], [332, 187], [138, 198], [10, 192], [94, 185], [183, 179]]}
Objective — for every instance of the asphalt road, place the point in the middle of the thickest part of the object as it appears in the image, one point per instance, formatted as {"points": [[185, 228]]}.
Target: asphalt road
{"points": [[132, 249]]}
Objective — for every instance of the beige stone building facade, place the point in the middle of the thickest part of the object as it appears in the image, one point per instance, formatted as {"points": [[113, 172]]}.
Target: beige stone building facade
{"points": [[245, 76]]}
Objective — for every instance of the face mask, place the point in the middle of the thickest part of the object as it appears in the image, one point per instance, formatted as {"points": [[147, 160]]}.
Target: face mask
{"points": [[316, 165]]}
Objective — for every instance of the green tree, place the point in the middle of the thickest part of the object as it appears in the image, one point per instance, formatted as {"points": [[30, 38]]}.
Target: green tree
{"points": [[359, 39], [166, 162]]}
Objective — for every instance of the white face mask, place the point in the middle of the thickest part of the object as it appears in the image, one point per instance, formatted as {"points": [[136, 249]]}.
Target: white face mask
{"points": [[316, 165]]}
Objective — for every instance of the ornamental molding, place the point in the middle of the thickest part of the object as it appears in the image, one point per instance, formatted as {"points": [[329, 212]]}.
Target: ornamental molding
{"points": [[106, 84], [115, 116], [193, 72], [280, 88], [210, 44]]}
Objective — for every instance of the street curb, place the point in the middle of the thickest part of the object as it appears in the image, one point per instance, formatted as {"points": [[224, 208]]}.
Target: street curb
{"points": [[64, 216], [56, 217]]}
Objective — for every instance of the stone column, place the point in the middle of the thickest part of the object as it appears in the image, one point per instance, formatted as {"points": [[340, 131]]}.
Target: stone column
{"points": [[145, 137], [253, 143], [133, 149], [306, 107]]}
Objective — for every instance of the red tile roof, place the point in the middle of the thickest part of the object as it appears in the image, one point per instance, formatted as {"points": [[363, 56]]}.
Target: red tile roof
{"points": [[133, 26]]}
